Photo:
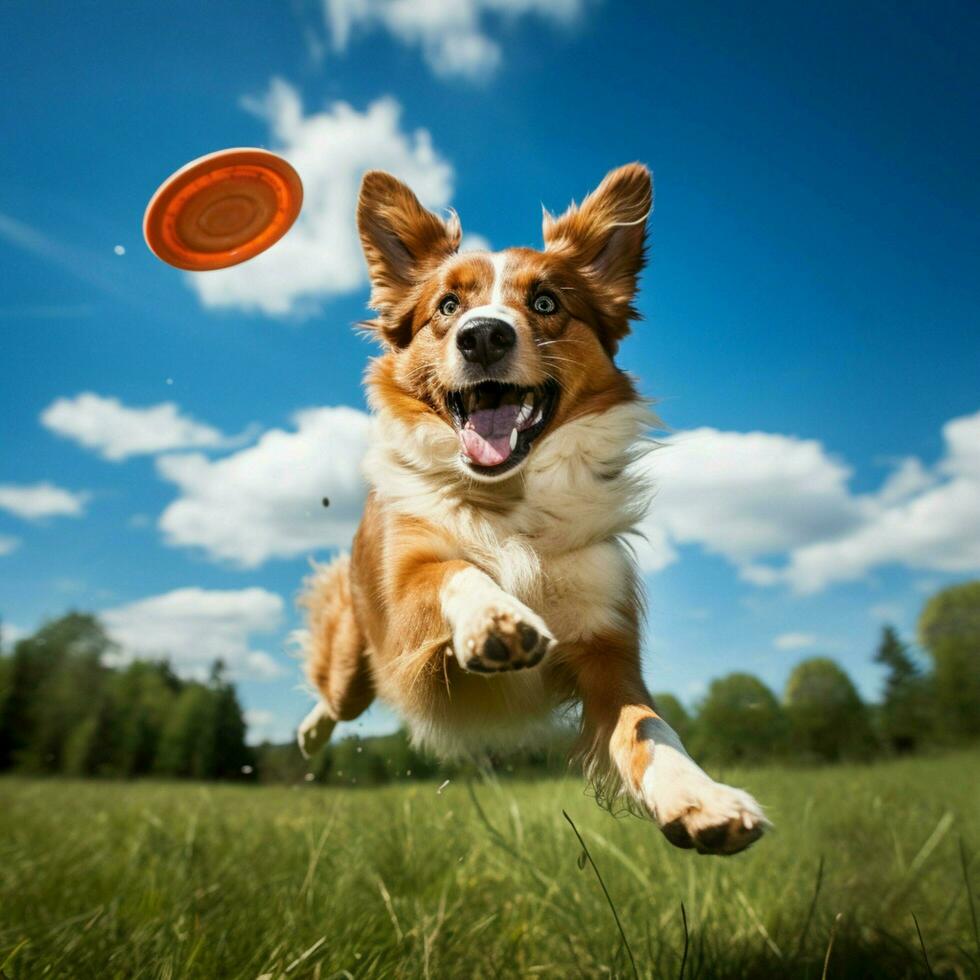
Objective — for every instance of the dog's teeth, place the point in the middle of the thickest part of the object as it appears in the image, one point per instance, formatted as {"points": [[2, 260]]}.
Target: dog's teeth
{"points": [[537, 417], [513, 438]]}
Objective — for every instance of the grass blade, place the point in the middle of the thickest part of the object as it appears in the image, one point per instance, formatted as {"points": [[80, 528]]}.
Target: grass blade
{"points": [[830, 944], [922, 945], [809, 915], [969, 894], [687, 939], [605, 891]]}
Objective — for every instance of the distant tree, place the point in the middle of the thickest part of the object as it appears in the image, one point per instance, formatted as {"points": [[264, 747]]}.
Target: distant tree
{"points": [[90, 749], [949, 628], [231, 753], [55, 676], [674, 713], [739, 720], [144, 695], [204, 738], [906, 713], [349, 766], [827, 718], [187, 742]]}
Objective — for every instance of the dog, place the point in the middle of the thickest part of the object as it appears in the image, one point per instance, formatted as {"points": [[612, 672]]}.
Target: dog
{"points": [[491, 580]]}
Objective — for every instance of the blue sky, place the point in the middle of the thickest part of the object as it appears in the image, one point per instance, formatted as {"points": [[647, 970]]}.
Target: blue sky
{"points": [[810, 311]]}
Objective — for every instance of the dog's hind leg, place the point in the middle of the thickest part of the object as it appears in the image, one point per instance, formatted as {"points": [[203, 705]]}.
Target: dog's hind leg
{"points": [[337, 663], [626, 742]]}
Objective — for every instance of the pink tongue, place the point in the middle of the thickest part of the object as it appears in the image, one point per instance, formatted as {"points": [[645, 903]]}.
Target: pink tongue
{"points": [[486, 435]]}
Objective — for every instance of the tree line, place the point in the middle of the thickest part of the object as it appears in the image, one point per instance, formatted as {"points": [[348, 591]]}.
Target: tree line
{"points": [[64, 710]]}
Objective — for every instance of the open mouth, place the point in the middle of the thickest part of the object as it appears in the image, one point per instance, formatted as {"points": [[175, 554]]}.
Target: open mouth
{"points": [[497, 423]]}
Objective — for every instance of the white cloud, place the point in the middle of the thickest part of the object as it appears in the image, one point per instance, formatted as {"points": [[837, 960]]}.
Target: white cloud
{"points": [[117, 431], [744, 494], [38, 500], [194, 627], [936, 528], [794, 641], [267, 726], [10, 634], [473, 242], [321, 255], [8, 544], [265, 501], [757, 497], [887, 611], [452, 34]]}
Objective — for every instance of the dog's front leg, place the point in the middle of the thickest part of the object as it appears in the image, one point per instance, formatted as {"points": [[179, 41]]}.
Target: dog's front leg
{"points": [[436, 595], [625, 733], [491, 630]]}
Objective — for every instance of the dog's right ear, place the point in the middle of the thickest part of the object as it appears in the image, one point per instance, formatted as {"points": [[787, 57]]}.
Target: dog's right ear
{"points": [[402, 241]]}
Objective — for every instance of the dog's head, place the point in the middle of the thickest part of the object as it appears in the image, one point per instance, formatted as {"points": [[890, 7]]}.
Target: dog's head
{"points": [[504, 347]]}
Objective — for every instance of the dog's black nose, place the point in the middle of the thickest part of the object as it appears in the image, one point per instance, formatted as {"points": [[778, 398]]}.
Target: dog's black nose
{"points": [[485, 340]]}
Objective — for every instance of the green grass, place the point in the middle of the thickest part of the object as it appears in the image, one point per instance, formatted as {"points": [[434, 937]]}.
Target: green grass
{"points": [[108, 880]]}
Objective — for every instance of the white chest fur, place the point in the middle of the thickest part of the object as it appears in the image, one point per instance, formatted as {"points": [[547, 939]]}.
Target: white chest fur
{"points": [[553, 535]]}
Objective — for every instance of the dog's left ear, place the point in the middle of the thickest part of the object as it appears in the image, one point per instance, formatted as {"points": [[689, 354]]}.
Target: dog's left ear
{"points": [[605, 238], [401, 241]]}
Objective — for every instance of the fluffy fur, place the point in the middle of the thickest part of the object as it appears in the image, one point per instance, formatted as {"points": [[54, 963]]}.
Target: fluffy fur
{"points": [[491, 581]]}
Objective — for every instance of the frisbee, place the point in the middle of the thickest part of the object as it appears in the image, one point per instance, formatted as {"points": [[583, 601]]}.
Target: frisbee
{"points": [[222, 209]]}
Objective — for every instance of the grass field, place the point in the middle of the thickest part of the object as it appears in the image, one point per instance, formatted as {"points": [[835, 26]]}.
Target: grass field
{"points": [[108, 880]]}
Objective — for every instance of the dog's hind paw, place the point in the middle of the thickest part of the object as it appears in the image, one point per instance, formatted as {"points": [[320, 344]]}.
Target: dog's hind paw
{"points": [[314, 730], [693, 810]]}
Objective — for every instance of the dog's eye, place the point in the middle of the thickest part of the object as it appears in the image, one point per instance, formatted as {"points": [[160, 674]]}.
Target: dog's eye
{"points": [[545, 304], [449, 305]]}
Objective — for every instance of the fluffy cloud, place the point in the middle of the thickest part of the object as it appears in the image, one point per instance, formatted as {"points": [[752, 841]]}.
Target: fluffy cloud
{"points": [[194, 627], [934, 525], [321, 255], [265, 501], [744, 494], [8, 544], [266, 726], [452, 35], [116, 431], [794, 641], [38, 500], [756, 497]]}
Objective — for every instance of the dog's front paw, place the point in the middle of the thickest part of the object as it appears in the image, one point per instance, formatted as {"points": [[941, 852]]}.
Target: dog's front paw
{"points": [[693, 810], [501, 635]]}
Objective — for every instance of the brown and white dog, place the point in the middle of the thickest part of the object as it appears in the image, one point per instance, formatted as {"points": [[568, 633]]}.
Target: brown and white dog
{"points": [[490, 581]]}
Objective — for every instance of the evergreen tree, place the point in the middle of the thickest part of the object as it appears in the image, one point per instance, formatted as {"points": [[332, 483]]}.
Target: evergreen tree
{"points": [[55, 676], [144, 695], [231, 753], [187, 742], [905, 711]]}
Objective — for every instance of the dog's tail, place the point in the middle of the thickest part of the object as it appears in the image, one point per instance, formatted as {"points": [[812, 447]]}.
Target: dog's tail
{"points": [[335, 654]]}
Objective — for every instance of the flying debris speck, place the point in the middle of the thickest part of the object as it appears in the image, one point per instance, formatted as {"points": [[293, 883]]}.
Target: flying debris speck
{"points": [[120, 250], [309, 777], [441, 788], [247, 770]]}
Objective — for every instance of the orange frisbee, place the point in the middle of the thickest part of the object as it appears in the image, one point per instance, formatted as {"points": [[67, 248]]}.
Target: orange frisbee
{"points": [[222, 209]]}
